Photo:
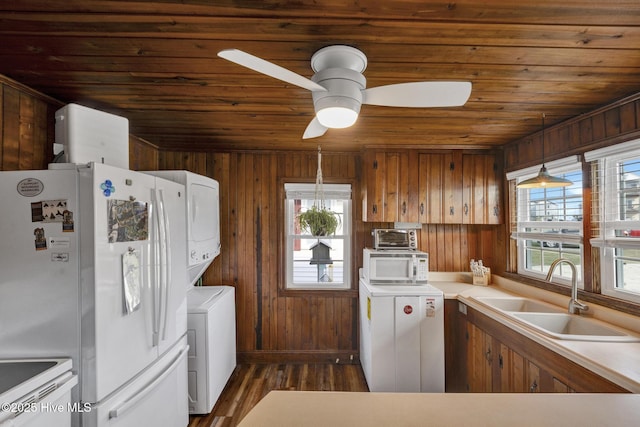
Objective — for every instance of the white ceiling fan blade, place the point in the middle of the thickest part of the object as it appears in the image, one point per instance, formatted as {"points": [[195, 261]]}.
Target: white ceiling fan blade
{"points": [[314, 129], [270, 69], [419, 94]]}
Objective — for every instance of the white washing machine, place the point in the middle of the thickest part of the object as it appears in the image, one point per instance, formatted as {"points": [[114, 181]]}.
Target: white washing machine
{"points": [[211, 332]]}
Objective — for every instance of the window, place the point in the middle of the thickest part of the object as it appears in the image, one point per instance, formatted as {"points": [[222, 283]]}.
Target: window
{"points": [[616, 217], [548, 222], [317, 262]]}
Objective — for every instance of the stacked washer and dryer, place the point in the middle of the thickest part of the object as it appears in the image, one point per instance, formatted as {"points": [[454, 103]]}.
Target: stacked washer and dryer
{"points": [[401, 317], [211, 312]]}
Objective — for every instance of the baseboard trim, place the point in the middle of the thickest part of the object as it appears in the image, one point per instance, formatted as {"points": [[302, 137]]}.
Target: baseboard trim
{"points": [[337, 357]]}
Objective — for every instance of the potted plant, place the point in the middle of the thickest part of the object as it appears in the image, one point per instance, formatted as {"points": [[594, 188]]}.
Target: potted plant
{"points": [[319, 221]]}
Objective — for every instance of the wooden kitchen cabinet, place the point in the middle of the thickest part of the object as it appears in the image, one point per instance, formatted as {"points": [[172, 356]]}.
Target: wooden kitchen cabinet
{"points": [[449, 187], [481, 183], [511, 371], [498, 359], [479, 360], [390, 187], [440, 188]]}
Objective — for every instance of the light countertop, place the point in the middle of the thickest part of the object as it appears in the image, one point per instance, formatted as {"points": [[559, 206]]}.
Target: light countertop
{"points": [[617, 362], [336, 409]]}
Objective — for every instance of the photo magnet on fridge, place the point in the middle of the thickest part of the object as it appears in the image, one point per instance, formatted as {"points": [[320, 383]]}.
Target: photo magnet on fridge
{"points": [[40, 240]]}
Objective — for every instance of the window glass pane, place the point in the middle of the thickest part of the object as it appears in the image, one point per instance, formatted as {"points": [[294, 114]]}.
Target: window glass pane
{"points": [[539, 255], [627, 262], [628, 190], [318, 260], [555, 204]]}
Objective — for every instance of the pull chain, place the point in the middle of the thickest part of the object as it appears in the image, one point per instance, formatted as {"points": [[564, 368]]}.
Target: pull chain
{"points": [[319, 186]]}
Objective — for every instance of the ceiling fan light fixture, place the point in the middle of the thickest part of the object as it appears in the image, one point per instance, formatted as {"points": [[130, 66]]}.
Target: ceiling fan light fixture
{"points": [[337, 117], [337, 112]]}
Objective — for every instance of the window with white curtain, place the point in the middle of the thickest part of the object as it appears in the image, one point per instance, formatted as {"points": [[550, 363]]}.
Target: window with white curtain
{"points": [[616, 217], [548, 222], [304, 268]]}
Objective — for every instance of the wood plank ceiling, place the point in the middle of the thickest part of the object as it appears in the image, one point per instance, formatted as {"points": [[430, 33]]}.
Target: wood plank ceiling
{"points": [[155, 63]]}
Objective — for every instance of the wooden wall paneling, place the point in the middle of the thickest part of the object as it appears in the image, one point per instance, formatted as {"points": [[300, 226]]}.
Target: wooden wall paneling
{"points": [[11, 129], [270, 238], [26, 128], [611, 122], [628, 117], [142, 155]]}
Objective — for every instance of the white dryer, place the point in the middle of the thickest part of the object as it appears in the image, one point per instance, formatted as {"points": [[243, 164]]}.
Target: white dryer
{"points": [[211, 333]]}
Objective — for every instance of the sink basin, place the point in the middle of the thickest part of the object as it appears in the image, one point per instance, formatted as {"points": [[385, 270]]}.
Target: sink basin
{"points": [[573, 327], [517, 304]]}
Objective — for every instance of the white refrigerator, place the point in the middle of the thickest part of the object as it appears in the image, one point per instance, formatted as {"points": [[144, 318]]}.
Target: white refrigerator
{"points": [[93, 267], [402, 337]]}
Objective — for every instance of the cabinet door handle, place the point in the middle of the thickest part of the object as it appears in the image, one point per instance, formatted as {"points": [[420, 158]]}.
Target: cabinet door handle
{"points": [[496, 210], [374, 209], [534, 387], [404, 208], [466, 209], [500, 361], [451, 210], [421, 208], [487, 356]]}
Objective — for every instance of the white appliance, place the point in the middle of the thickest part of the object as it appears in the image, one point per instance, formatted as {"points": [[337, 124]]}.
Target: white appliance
{"points": [[89, 135], [402, 337], [36, 392], [202, 204], [395, 266], [212, 344], [93, 268]]}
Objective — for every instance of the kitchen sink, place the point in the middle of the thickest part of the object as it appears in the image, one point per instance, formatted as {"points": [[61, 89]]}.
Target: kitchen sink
{"points": [[517, 304], [574, 327]]}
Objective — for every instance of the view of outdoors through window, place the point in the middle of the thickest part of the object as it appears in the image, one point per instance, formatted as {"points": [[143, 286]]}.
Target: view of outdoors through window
{"points": [[627, 260], [317, 259], [553, 218]]}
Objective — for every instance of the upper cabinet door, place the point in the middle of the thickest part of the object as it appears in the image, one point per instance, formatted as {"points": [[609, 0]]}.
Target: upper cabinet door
{"points": [[452, 189], [374, 172], [440, 188], [482, 176]]}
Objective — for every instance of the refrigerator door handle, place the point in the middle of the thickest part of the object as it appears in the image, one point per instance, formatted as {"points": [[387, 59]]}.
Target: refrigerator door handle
{"points": [[123, 407], [156, 270], [165, 243]]}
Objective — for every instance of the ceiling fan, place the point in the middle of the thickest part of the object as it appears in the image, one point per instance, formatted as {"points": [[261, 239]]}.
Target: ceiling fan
{"points": [[338, 87]]}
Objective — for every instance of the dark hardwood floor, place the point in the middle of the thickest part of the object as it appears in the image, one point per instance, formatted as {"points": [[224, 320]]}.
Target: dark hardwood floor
{"points": [[251, 382]]}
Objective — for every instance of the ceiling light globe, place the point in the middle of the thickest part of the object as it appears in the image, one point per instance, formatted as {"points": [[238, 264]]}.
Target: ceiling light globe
{"points": [[337, 117]]}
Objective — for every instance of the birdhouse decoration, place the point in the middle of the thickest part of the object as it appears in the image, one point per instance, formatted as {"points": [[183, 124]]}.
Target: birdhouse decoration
{"points": [[321, 258]]}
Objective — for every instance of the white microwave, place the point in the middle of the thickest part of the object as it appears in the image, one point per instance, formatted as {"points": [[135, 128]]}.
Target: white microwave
{"points": [[395, 267]]}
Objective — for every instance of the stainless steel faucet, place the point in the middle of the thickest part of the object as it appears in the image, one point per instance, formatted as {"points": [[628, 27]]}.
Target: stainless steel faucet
{"points": [[575, 306]]}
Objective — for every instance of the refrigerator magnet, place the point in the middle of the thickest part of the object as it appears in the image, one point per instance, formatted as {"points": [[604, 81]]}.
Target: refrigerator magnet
{"points": [[52, 210], [36, 212], [67, 221], [40, 239]]}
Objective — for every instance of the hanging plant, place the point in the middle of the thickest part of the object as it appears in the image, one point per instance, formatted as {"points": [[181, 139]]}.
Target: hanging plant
{"points": [[319, 221]]}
